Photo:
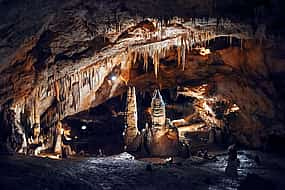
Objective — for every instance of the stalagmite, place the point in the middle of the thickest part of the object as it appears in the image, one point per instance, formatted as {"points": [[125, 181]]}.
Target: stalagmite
{"points": [[57, 147], [131, 130], [158, 110]]}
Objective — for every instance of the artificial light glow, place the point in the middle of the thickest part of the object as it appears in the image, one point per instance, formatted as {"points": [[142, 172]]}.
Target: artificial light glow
{"points": [[234, 108], [83, 127], [51, 156], [204, 51], [208, 108], [113, 78]]}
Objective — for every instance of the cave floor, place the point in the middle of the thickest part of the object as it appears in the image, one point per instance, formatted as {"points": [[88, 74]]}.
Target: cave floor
{"points": [[122, 172]]}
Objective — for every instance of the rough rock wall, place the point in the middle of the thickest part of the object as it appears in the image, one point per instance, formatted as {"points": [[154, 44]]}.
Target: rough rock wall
{"points": [[253, 89], [240, 80]]}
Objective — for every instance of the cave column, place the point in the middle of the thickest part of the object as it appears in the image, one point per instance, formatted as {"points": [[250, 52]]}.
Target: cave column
{"points": [[131, 131], [36, 125], [158, 111], [58, 142]]}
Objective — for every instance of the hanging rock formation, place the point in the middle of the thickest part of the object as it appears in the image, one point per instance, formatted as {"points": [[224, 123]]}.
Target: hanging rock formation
{"points": [[57, 58]]}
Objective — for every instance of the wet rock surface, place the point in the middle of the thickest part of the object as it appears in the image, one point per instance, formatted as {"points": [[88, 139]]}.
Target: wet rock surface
{"points": [[256, 169], [123, 172]]}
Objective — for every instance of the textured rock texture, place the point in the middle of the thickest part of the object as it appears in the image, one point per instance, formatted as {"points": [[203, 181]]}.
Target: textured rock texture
{"points": [[57, 58]]}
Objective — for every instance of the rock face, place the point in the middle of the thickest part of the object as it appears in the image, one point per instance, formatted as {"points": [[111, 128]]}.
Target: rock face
{"points": [[57, 59]]}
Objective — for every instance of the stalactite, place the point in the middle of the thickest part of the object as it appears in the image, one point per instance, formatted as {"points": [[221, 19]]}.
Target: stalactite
{"points": [[62, 89], [93, 79], [183, 55], [84, 78], [179, 56], [43, 92], [90, 80], [145, 58], [75, 95], [156, 63], [56, 90], [79, 80], [36, 108], [97, 77], [135, 57]]}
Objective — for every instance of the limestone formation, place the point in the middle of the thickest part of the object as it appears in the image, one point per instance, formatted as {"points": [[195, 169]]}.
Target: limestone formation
{"points": [[131, 131], [160, 139], [57, 57], [158, 112], [58, 142], [163, 141]]}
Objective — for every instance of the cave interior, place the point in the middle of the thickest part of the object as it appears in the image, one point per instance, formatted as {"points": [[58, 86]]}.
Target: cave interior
{"points": [[100, 93]]}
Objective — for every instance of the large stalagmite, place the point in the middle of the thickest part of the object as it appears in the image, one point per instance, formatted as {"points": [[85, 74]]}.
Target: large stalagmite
{"points": [[131, 131], [158, 111], [160, 138]]}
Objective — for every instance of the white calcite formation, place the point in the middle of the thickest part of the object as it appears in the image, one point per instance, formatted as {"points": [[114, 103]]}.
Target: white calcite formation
{"points": [[158, 113], [162, 137], [131, 131], [159, 139]]}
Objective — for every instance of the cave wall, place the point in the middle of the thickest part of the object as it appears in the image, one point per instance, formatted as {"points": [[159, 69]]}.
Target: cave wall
{"points": [[251, 87]]}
